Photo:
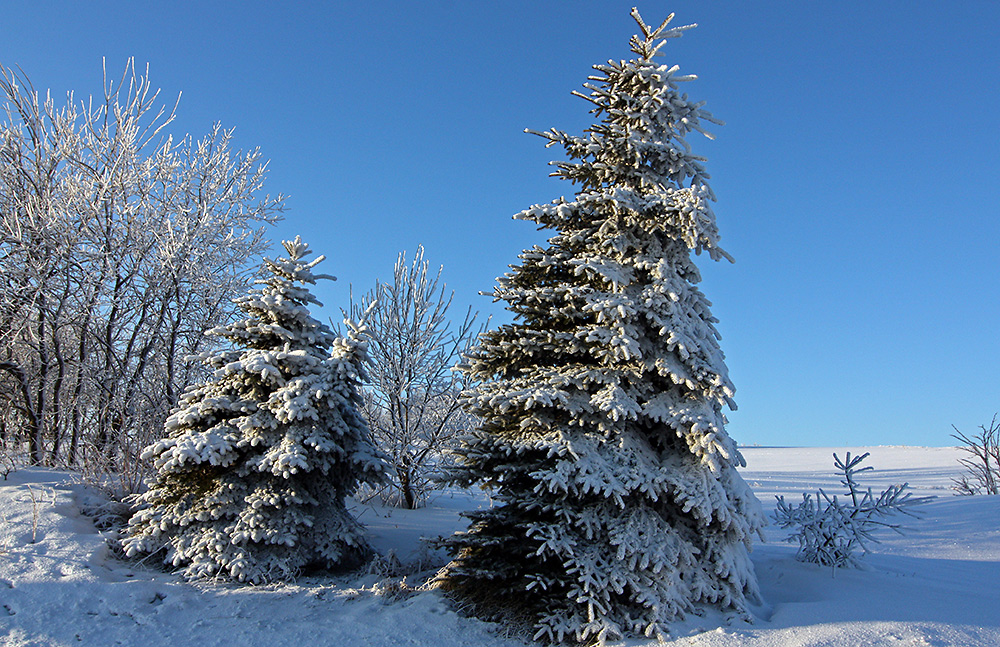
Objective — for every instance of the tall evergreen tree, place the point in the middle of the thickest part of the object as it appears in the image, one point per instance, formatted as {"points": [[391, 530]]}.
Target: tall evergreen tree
{"points": [[603, 435], [256, 463]]}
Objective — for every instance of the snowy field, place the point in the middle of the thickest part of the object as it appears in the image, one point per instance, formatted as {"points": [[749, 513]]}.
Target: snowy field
{"points": [[938, 585]]}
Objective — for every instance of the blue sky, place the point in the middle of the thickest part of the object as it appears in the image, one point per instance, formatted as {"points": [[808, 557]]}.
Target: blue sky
{"points": [[858, 174]]}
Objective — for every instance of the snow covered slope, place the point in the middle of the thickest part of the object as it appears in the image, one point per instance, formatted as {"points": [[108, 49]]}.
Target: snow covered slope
{"points": [[938, 585]]}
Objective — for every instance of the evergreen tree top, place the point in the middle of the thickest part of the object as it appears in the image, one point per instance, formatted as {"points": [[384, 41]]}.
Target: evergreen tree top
{"points": [[634, 167], [277, 312], [647, 47], [294, 268]]}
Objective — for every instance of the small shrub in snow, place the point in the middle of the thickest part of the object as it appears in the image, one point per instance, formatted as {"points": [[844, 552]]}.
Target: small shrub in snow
{"points": [[982, 466], [829, 530], [106, 509], [7, 464], [256, 464]]}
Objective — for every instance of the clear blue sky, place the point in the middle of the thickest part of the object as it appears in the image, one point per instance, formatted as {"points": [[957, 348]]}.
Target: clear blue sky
{"points": [[858, 175]]}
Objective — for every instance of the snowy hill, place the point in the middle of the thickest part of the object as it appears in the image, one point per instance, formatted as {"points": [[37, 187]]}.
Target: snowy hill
{"points": [[937, 585]]}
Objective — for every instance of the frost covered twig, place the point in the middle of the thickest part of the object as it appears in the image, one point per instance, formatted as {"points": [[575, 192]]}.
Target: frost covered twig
{"points": [[34, 515]]}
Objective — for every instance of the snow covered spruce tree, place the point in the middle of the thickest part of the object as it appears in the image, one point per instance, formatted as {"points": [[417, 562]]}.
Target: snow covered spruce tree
{"points": [[620, 507], [256, 463]]}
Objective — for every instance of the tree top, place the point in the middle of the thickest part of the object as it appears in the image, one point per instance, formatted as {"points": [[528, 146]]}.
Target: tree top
{"points": [[647, 47]]}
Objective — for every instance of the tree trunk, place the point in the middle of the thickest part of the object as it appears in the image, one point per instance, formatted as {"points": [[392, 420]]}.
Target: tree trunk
{"points": [[32, 427]]}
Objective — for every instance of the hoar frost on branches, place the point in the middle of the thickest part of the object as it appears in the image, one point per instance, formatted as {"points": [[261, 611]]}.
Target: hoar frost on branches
{"points": [[603, 436], [982, 460], [252, 475], [412, 400], [119, 245]]}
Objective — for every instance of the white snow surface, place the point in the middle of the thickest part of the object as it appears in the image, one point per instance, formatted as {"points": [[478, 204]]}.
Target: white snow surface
{"points": [[937, 585]]}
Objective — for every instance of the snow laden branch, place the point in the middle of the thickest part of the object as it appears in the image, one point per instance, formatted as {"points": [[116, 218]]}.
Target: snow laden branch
{"points": [[830, 530]]}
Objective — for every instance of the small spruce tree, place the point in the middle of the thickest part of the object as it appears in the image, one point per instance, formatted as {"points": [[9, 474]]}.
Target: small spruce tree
{"points": [[603, 435], [253, 471]]}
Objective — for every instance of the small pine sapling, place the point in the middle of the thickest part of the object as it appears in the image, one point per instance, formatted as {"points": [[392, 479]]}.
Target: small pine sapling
{"points": [[829, 531]]}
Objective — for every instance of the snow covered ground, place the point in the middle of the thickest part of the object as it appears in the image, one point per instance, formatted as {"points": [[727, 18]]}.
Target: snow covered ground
{"points": [[938, 585]]}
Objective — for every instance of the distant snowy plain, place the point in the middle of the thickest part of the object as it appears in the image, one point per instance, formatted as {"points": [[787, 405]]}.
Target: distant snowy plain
{"points": [[938, 585]]}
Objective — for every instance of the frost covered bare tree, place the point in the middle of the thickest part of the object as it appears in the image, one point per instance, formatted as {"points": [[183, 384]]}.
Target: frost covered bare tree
{"points": [[412, 400], [982, 460], [119, 245], [603, 434]]}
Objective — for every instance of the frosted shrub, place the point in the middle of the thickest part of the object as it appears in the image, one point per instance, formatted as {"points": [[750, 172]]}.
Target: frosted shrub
{"points": [[411, 402], [982, 462], [7, 463], [830, 531]]}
